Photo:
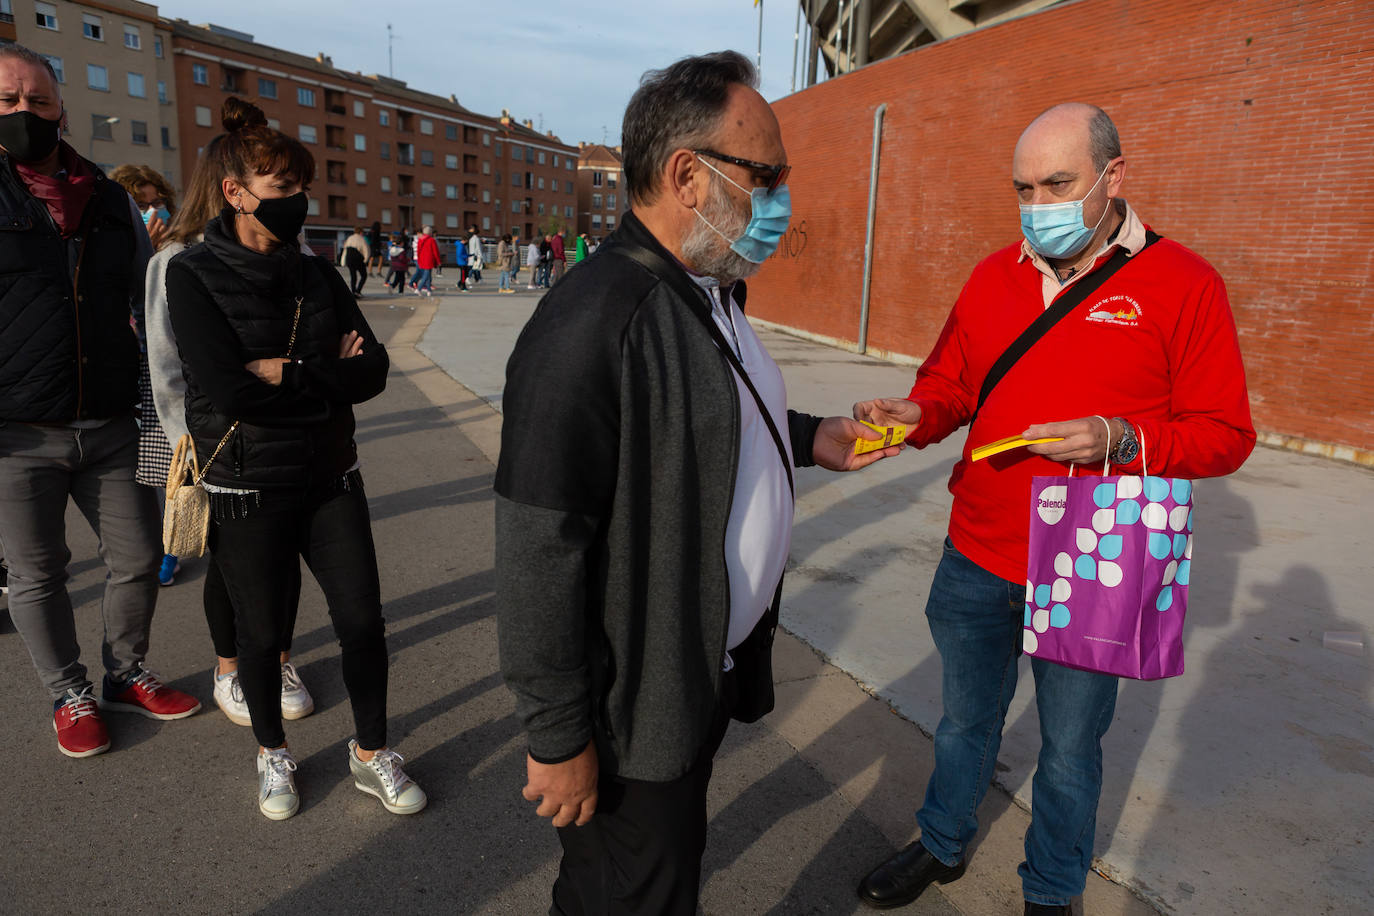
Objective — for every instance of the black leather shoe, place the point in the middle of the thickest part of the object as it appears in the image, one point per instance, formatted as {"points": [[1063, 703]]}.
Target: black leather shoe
{"points": [[1044, 909], [902, 878]]}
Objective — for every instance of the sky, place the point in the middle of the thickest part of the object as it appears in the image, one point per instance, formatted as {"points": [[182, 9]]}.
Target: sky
{"points": [[572, 65]]}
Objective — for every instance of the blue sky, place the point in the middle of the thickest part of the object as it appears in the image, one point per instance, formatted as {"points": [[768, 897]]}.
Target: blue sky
{"points": [[573, 64]]}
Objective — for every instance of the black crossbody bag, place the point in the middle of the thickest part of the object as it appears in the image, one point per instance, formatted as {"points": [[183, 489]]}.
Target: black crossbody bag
{"points": [[1059, 309]]}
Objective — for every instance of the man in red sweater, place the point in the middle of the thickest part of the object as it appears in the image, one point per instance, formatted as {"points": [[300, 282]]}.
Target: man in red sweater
{"points": [[1154, 351], [427, 260]]}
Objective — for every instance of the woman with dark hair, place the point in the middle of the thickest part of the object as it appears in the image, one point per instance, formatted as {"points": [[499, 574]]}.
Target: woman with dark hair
{"points": [[202, 204], [375, 243], [276, 353]]}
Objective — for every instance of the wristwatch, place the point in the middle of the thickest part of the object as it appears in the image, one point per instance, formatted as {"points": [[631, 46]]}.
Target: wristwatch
{"points": [[1128, 446]]}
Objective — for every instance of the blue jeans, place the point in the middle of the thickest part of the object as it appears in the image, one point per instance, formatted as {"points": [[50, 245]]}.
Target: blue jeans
{"points": [[976, 619], [424, 278]]}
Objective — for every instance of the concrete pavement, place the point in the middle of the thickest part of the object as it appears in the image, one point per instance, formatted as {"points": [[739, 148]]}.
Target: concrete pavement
{"points": [[1245, 781]]}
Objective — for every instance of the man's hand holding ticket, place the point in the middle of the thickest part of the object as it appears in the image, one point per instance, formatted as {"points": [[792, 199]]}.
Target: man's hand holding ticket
{"points": [[892, 435]]}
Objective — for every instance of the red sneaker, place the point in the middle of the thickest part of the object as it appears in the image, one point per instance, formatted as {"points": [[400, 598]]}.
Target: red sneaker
{"points": [[80, 730], [146, 695]]}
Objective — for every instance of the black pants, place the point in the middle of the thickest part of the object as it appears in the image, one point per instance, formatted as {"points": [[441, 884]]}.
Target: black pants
{"points": [[641, 852], [258, 544], [219, 612], [357, 276]]}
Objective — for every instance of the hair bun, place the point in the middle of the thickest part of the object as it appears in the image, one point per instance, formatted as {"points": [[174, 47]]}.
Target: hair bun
{"points": [[238, 114]]}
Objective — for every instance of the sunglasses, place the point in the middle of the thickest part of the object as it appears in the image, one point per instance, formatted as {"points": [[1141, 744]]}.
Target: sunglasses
{"points": [[776, 174]]}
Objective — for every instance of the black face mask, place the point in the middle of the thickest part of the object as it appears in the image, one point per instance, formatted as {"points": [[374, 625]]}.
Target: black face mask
{"points": [[28, 137], [282, 216]]}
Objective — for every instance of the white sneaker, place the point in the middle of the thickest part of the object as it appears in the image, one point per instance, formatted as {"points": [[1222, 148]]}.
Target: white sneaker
{"points": [[277, 796], [383, 777], [229, 697], [296, 702]]}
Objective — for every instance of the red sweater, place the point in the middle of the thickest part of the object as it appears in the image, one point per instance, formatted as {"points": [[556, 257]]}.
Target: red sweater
{"points": [[1156, 344], [426, 252]]}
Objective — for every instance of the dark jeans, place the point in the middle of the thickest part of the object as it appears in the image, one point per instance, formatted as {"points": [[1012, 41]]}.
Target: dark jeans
{"points": [[641, 851], [977, 619], [397, 279], [357, 275], [259, 550], [219, 612]]}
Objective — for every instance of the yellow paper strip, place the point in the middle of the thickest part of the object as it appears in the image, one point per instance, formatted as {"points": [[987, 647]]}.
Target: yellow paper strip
{"points": [[1007, 444], [892, 435]]}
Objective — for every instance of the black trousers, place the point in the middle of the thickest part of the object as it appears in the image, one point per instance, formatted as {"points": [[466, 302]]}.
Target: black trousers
{"points": [[357, 276], [641, 852], [219, 612], [258, 544]]}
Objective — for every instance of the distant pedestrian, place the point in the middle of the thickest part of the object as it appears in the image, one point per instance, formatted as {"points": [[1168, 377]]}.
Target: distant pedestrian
{"points": [[376, 243], [532, 261], [460, 255], [560, 259], [505, 259], [545, 261], [426, 260], [515, 246], [580, 254], [474, 256], [355, 255], [400, 264]]}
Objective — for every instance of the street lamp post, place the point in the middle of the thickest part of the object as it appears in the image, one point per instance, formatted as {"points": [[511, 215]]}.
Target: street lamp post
{"points": [[94, 124]]}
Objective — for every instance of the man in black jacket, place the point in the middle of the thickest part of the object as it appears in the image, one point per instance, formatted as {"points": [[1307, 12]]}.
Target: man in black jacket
{"points": [[645, 496], [71, 268]]}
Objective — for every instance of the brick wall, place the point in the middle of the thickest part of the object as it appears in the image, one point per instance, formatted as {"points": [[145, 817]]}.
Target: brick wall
{"points": [[1248, 131]]}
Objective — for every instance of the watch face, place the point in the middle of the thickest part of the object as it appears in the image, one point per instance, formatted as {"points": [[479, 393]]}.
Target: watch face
{"points": [[1126, 451]]}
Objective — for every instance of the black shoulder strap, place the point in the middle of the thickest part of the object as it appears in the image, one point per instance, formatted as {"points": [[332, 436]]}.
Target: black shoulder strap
{"points": [[696, 296], [1050, 317]]}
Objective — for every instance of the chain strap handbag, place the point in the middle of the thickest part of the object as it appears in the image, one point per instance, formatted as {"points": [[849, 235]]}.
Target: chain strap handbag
{"points": [[186, 520]]}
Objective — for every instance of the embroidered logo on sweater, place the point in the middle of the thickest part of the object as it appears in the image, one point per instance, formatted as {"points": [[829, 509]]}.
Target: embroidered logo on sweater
{"points": [[1119, 310]]}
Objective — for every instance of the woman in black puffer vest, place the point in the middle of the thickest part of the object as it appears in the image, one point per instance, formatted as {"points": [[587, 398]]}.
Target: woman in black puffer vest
{"points": [[275, 352]]}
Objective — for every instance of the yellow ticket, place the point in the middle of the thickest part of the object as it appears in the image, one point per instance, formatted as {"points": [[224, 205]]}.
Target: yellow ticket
{"points": [[892, 435], [1007, 444]]}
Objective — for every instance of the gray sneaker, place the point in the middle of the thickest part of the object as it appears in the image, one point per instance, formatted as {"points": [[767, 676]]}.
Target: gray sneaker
{"points": [[277, 796], [383, 777]]}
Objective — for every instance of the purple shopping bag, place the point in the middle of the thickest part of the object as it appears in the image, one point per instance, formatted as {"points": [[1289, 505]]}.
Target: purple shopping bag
{"points": [[1107, 576]]}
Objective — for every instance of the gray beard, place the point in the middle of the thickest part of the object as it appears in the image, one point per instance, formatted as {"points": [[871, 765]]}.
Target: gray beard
{"points": [[705, 251]]}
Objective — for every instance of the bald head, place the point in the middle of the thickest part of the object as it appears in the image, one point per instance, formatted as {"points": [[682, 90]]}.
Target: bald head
{"points": [[1075, 128]]}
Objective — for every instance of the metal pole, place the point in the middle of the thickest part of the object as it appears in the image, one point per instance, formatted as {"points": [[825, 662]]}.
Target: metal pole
{"points": [[390, 69], [758, 62], [839, 38], [868, 235], [849, 42], [864, 27], [796, 45]]}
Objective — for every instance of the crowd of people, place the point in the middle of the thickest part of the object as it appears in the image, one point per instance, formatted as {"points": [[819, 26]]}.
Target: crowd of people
{"points": [[644, 492]]}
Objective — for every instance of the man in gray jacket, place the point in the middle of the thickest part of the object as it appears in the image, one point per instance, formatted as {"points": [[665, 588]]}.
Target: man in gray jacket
{"points": [[645, 496]]}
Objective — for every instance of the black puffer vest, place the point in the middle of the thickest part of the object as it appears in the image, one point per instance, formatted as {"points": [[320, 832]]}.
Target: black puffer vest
{"points": [[67, 351], [257, 293]]}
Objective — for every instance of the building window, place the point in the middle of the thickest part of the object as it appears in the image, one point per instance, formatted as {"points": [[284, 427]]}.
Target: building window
{"points": [[486, 139], [267, 89], [569, 188], [384, 183], [305, 97], [515, 180], [312, 208], [57, 67], [426, 157], [47, 16], [362, 210], [102, 127], [426, 219], [157, 46], [486, 223], [386, 216], [567, 211], [451, 160], [486, 196], [598, 179], [426, 189], [360, 143], [450, 131], [272, 123], [427, 127], [91, 27], [307, 134], [610, 180], [384, 149], [200, 74], [517, 153], [515, 206], [610, 201], [541, 182], [541, 208], [166, 138], [610, 222], [162, 91], [360, 176], [596, 201], [596, 220], [202, 116], [451, 191], [97, 77], [541, 157], [384, 117], [405, 153], [359, 110], [486, 167], [451, 221], [137, 88], [140, 132], [555, 160], [567, 164], [132, 39]]}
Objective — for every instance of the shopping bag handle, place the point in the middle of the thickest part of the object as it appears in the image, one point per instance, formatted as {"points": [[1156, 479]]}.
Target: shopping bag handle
{"points": [[1107, 458]]}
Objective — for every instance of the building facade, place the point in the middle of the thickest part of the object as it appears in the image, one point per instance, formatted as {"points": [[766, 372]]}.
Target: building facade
{"points": [[601, 197], [384, 152], [113, 59]]}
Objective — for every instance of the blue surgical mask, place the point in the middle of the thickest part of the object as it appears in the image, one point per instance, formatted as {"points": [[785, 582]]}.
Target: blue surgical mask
{"points": [[1057, 230], [771, 211], [161, 212]]}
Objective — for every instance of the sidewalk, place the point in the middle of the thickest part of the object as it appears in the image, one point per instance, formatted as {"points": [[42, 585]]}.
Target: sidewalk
{"points": [[1244, 783]]}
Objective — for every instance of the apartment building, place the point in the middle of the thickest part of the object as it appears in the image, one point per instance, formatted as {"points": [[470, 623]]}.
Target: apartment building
{"points": [[113, 58], [384, 152], [601, 197]]}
